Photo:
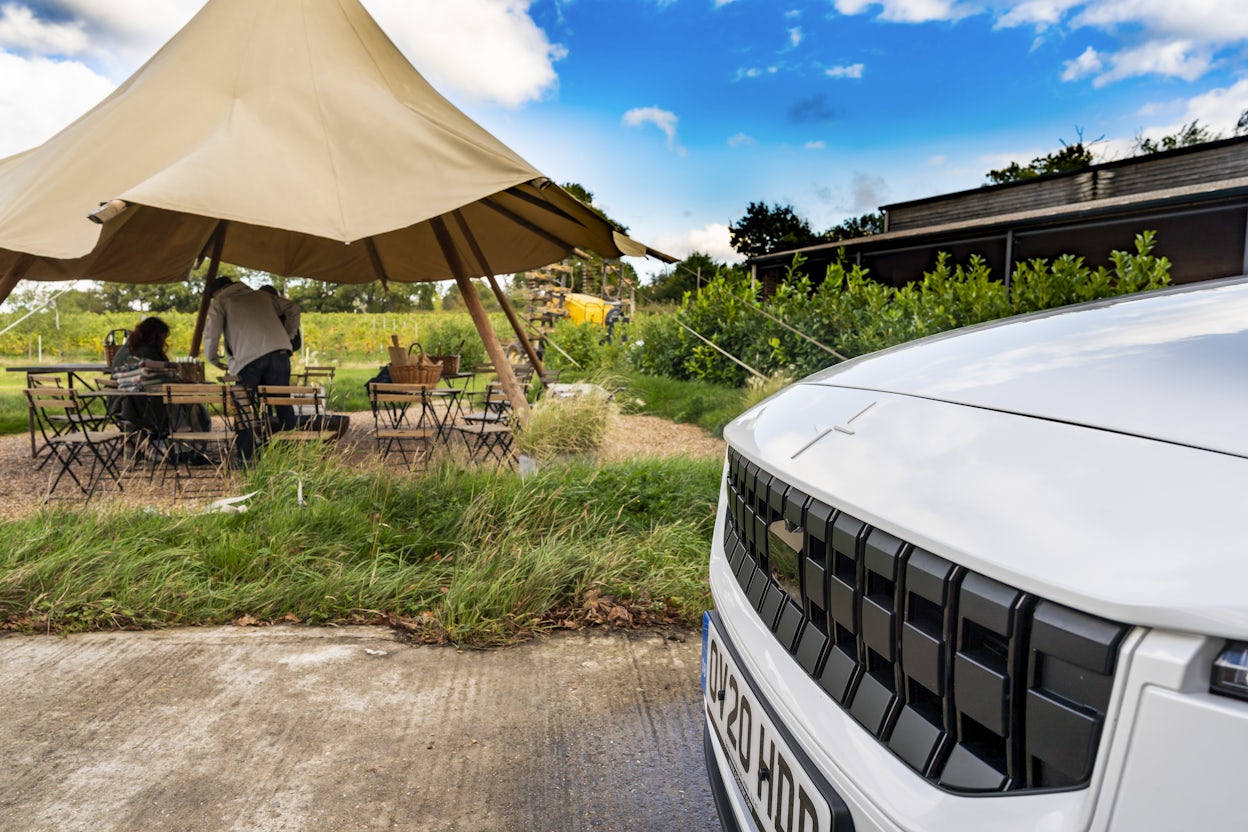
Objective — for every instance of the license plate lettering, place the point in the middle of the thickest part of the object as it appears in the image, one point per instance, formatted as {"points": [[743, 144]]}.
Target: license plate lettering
{"points": [[781, 796]]}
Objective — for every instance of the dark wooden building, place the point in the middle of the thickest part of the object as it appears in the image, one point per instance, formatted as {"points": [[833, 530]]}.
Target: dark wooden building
{"points": [[1195, 198]]}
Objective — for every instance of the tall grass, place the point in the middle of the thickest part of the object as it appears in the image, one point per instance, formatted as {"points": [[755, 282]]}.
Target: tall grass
{"points": [[710, 406], [566, 424], [473, 556]]}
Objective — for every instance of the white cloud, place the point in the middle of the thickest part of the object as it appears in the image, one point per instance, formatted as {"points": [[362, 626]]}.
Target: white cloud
{"points": [[1039, 13], [754, 72], [39, 96], [1156, 37], [849, 71], [665, 120], [21, 31], [795, 36], [1217, 109], [818, 145], [938, 160], [713, 240], [1088, 63], [742, 140], [1179, 59], [908, 11], [489, 50], [1218, 21]]}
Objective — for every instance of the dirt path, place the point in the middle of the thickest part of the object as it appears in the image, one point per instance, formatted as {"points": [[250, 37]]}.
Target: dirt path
{"points": [[22, 486]]}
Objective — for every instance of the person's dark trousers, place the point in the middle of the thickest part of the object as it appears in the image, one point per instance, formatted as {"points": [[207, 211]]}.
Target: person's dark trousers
{"points": [[273, 368]]}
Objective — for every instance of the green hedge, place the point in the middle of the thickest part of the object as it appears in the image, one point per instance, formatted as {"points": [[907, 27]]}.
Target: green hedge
{"points": [[855, 315]]}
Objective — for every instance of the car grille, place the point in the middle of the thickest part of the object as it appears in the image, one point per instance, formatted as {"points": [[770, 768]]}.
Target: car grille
{"points": [[977, 686]]}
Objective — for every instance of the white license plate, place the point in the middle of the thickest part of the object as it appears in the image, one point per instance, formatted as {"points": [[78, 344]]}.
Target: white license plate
{"points": [[780, 794]]}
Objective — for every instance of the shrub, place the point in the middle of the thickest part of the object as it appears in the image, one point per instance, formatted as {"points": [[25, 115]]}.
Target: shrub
{"points": [[853, 314]]}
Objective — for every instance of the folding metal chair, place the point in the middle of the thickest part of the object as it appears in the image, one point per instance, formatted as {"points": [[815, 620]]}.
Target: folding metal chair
{"points": [[401, 421], [487, 432], [322, 377], [202, 433], [308, 404], [72, 441]]}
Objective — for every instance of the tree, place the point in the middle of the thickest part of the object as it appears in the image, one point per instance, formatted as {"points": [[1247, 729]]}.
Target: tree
{"points": [[1188, 135], [453, 300], [1071, 157], [765, 229], [584, 195], [319, 296], [689, 275], [854, 227]]}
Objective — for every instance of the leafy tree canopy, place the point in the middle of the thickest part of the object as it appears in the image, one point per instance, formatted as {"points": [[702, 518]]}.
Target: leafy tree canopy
{"points": [[768, 228], [585, 195], [689, 275], [1071, 157], [854, 227], [1187, 135], [318, 296]]}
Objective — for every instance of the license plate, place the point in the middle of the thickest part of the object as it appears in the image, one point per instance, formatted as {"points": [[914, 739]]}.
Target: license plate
{"points": [[780, 794]]}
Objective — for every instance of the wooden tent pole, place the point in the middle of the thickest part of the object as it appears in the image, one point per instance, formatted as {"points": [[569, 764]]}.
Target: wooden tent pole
{"points": [[502, 299], [519, 403], [218, 243]]}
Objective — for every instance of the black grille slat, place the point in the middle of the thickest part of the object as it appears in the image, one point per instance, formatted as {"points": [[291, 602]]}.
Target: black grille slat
{"points": [[924, 731], [976, 685], [1069, 679], [876, 696]]}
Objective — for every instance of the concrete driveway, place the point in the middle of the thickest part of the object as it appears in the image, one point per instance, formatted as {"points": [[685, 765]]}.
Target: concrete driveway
{"points": [[297, 728]]}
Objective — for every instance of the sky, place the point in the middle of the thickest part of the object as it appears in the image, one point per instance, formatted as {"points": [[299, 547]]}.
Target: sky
{"points": [[677, 114]]}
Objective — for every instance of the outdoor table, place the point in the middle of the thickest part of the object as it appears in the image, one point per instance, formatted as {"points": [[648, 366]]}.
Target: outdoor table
{"points": [[453, 377], [71, 373], [454, 410]]}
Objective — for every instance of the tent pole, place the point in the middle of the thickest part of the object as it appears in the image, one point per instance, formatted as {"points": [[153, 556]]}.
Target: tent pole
{"points": [[379, 268], [502, 300], [519, 403], [218, 243]]}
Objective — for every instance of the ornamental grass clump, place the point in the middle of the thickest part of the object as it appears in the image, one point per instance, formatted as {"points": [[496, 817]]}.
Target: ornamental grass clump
{"points": [[566, 424]]}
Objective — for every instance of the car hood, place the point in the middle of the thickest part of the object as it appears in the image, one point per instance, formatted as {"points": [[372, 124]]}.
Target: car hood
{"points": [[1169, 365], [1134, 530]]}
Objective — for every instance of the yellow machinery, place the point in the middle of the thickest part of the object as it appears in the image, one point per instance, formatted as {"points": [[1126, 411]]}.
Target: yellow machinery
{"points": [[591, 309]]}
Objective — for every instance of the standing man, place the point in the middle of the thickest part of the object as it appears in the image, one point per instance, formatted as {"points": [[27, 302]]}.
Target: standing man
{"points": [[257, 343], [290, 314]]}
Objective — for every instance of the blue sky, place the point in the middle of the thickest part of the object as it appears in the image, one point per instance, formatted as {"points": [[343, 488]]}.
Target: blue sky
{"points": [[677, 114]]}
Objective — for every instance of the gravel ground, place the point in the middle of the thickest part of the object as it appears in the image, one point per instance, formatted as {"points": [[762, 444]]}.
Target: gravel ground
{"points": [[23, 486]]}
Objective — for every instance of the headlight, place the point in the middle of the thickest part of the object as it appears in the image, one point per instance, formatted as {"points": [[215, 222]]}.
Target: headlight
{"points": [[1230, 671]]}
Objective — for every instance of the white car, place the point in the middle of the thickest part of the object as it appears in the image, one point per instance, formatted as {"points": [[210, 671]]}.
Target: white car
{"points": [[996, 579]]}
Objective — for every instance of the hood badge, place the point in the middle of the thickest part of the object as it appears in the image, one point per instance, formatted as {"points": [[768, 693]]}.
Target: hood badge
{"points": [[841, 428]]}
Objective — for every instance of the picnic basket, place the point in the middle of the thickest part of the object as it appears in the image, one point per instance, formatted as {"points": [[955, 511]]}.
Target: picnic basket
{"points": [[420, 369], [112, 343], [449, 361]]}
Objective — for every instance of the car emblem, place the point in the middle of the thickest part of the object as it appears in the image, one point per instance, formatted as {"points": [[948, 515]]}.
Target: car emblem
{"points": [[840, 428]]}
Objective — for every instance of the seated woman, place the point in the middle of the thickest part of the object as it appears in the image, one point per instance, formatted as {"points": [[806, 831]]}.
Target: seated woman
{"points": [[140, 363]]}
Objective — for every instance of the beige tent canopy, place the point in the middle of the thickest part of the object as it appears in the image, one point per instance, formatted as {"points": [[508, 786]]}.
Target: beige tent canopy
{"points": [[289, 136]]}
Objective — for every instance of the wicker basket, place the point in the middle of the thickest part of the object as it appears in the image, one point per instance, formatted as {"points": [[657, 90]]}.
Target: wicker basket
{"points": [[450, 361], [421, 370], [112, 343]]}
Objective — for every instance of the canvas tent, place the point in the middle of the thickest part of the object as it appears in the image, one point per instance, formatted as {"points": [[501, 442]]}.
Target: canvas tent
{"points": [[289, 136]]}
